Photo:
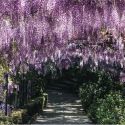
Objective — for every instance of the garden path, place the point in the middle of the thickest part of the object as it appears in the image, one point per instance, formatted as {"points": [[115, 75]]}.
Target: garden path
{"points": [[62, 108]]}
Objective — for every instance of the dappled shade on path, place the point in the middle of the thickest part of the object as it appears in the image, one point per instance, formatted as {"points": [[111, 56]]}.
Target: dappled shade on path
{"points": [[63, 108]]}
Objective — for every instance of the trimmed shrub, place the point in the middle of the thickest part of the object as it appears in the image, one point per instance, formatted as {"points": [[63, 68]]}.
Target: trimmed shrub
{"points": [[19, 116], [5, 120], [102, 98], [110, 110], [23, 116], [87, 95], [102, 85]]}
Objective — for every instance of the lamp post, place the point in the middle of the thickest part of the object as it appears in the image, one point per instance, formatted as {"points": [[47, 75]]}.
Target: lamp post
{"points": [[6, 87]]}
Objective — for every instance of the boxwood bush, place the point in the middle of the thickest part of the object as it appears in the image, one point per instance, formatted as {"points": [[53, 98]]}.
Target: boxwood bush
{"points": [[110, 110], [102, 98], [25, 115], [96, 88], [5, 120], [19, 116]]}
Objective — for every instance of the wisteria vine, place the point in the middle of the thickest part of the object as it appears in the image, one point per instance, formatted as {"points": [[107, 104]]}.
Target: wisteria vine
{"points": [[34, 31]]}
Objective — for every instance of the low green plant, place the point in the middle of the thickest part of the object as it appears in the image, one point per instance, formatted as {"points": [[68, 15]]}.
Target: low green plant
{"points": [[23, 116], [102, 98], [110, 110], [5, 120], [87, 95], [96, 87], [19, 116]]}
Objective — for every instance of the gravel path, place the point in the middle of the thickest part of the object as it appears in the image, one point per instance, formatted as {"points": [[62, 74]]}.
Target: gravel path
{"points": [[63, 108]]}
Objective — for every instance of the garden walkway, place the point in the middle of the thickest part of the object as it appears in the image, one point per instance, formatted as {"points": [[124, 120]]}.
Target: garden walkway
{"points": [[63, 108]]}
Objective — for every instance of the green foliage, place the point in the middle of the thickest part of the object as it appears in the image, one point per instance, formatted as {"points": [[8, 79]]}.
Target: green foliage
{"points": [[31, 84], [101, 97], [3, 68], [99, 84], [110, 110], [37, 83], [23, 116], [19, 116], [5, 120]]}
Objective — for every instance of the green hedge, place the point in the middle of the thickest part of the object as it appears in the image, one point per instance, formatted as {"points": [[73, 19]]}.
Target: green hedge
{"points": [[110, 110], [23, 116], [5, 120], [102, 98], [96, 88], [19, 116]]}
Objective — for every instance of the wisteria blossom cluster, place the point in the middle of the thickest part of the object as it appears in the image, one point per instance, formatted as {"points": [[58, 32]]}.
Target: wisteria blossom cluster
{"points": [[34, 31]]}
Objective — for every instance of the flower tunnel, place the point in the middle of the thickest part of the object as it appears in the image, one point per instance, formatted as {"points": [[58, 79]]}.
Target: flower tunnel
{"points": [[59, 30], [52, 40]]}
